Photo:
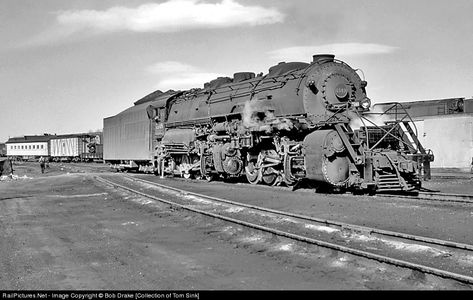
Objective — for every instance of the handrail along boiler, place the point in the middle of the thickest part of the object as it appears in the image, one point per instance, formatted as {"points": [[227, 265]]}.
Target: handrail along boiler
{"points": [[299, 121]]}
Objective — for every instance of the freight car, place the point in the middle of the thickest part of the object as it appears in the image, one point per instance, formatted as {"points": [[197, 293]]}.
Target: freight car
{"points": [[76, 147], [300, 121]]}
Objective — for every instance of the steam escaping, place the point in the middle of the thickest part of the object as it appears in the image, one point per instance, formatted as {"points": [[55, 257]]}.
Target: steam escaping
{"points": [[250, 119], [279, 123], [301, 53], [375, 116], [260, 117]]}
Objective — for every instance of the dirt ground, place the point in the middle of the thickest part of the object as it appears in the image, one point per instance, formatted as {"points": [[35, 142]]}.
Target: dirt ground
{"points": [[64, 230]]}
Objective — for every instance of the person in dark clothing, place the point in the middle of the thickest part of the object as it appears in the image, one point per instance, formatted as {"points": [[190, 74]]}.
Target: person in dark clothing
{"points": [[42, 162], [6, 167]]}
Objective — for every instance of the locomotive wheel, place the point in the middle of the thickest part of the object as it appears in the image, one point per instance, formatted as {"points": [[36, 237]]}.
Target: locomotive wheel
{"points": [[269, 176], [253, 175]]}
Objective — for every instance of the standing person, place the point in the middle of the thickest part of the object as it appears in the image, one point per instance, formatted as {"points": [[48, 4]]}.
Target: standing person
{"points": [[42, 161]]}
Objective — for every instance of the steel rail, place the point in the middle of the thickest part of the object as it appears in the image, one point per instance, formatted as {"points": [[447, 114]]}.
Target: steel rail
{"points": [[426, 196], [318, 220], [432, 196], [357, 252]]}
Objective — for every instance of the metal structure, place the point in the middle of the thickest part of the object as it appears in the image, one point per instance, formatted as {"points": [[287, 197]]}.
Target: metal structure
{"points": [[444, 126], [425, 108], [301, 121]]}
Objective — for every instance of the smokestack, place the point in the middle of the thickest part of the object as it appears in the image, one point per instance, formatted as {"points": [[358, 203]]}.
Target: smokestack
{"points": [[322, 57]]}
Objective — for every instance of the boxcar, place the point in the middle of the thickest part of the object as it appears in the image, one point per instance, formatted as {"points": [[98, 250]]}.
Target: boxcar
{"points": [[75, 147]]}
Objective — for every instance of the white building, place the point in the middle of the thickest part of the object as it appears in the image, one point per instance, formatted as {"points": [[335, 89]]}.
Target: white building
{"points": [[444, 126], [450, 137]]}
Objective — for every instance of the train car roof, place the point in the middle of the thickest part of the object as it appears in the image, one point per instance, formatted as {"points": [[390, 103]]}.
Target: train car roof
{"points": [[421, 102], [155, 96], [159, 101], [73, 135], [29, 139], [149, 97]]}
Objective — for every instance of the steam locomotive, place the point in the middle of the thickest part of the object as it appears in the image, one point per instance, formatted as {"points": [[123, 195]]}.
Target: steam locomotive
{"points": [[300, 122]]}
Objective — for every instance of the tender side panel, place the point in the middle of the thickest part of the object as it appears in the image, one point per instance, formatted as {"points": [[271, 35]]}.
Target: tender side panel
{"points": [[126, 136]]}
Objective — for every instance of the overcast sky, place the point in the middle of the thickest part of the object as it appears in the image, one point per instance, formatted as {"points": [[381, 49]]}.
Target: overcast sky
{"points": [[65, 65]]}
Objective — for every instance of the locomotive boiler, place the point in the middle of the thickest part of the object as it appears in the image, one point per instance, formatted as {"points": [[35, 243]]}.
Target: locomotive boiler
{"points": [[300, 121]]}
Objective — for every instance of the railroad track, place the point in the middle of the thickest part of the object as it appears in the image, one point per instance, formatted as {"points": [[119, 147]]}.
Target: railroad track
{"points": [[434, 196], [424, 195], [431, 256]]}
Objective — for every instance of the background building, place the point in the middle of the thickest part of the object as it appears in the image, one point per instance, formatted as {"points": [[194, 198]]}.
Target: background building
{"points": [[446, 127]]}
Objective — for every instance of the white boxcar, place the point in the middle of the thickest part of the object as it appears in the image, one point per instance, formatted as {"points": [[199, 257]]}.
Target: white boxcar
{"points": [[69, 147]]}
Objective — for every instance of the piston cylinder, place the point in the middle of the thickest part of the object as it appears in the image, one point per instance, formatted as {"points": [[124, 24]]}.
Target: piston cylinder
{"points": [[325, 160]]}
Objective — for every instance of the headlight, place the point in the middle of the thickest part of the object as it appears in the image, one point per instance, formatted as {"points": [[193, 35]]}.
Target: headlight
{"points": [[365, 103]]}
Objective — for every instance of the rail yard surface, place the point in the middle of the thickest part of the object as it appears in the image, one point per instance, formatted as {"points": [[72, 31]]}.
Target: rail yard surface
{"points": [[66, 229]]}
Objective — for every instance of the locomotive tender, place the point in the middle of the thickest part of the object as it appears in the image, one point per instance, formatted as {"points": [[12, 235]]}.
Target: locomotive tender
{"points": [[300, 121]]}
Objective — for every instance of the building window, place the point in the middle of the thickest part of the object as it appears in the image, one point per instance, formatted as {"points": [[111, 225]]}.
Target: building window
{"points": [[42, 146]]}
